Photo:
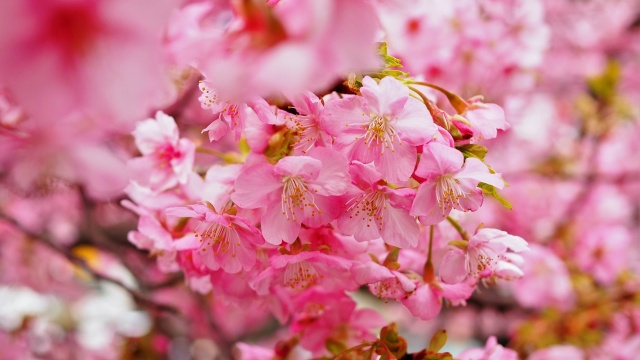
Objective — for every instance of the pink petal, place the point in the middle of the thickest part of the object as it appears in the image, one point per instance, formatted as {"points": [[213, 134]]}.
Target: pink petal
{"points": [[369, 273], [475, 169], [276, 228], [426, 203], [344, 119], [334, 177], [397, 166], [187, 242], [217, 129], [424, 303], [471, 201], [399, 228], [438, 159], [256, 186], [327, 209], [452, 267], [414, 124], [304, 166]]}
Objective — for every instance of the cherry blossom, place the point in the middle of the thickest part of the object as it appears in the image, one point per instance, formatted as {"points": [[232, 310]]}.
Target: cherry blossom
{"points": [[221, 240], [167, 158], [382, 126], [297, 190], [451, 182]]}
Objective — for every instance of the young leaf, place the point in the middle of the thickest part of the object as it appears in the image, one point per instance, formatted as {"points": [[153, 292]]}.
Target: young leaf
{"points": [[438, 340], [493, 192], [473, 150]]}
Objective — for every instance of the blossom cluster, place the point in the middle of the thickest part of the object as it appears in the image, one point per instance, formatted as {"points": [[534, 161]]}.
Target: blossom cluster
{"points": [[332, 193]]}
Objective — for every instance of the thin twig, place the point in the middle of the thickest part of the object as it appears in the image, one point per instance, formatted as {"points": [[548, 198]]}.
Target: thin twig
{"points": [[81, 263]]}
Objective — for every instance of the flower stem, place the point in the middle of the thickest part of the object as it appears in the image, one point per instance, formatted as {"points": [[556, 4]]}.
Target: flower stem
{"points": [[230, 158], [428, 273], [456, 100], [463, 233]]}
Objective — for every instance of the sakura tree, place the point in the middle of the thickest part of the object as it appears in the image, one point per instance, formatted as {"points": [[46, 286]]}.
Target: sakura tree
{"points": [[319, 179]]}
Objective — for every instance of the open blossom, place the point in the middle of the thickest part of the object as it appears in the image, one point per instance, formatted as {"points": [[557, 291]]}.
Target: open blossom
{"points": [[302, 270], [222, 240], [297, 190], [306, 125], [383, 282], [491, 351], [325, 316], [375, 210], [167, 157], [450, 183], [426, 301], [382, 126], [534, 290], [228, 115], [486, 255], [485, 119], [292, 46], [603, 252], [101, 58]]}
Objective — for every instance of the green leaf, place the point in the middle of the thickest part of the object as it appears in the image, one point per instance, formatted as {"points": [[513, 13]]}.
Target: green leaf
{"points": [[473, 151], [389, 61], [493, 192], [394, 73], [438, 340]]}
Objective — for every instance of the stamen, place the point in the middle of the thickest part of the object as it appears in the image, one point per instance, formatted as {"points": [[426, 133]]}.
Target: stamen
{"points": [[382, 132], [369, 205], [300, 275], [448, 193], [297, 197]]}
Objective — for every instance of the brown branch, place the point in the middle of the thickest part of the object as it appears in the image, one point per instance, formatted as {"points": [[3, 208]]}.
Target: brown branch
{"points": [[140, 299]]}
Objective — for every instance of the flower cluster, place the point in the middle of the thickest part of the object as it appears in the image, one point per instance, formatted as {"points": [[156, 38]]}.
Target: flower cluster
{"points": [[331, 193]]}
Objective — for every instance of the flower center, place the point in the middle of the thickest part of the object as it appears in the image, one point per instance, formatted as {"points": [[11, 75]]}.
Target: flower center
{"points": [[215, 237], [369, 206], [165, 154], [448, 192], [74, 28], [382, 133], [305, 130], [296, 199], [481, 261], [300, 275]]}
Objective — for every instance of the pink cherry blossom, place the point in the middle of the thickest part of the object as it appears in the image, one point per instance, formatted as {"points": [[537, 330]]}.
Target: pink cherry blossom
{"points": [[382, 126], [297, 190], [485, 119], [546, 281], [222, 240], [288, 46], [558, 352], [426, 301], [450, 183], [327, 316], [300, 271], [603, 252], [306, 125], [491, 351], [228, 115], [383, 282], [76, 48], [167, 157], [486, 255], [375, 210]]}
